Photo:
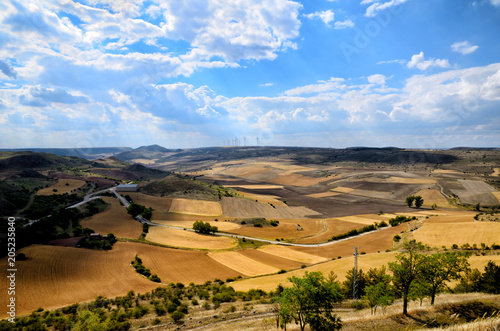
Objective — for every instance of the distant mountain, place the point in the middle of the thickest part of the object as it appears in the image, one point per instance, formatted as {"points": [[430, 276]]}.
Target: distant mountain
{"points": [[19, 161], [86, 153], [145, 152]]}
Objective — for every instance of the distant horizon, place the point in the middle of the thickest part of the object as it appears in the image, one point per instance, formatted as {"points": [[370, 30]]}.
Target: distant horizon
{"points": [[421, 74], [248, 146]]}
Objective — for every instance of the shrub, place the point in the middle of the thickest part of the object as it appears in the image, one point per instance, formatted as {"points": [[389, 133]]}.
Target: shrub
{"points": [[397, 238], [177, 316]]}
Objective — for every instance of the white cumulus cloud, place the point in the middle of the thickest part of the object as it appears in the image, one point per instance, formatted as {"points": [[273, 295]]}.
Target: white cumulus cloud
{"points": [[418, 61], [326, 16]]}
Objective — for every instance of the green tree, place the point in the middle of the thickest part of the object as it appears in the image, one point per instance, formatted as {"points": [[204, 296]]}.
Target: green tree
{"points": [[311, 300], [419, 201], [407, 268], [348, 284], [204, 228], [380, 294], [489, 281], [441, 268], [409, 200]]}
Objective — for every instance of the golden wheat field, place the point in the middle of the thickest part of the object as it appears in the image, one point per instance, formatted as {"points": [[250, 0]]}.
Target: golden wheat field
{"points": [[242, 263], [62, 186], [188, 239], [458, 233], [114, 219]]}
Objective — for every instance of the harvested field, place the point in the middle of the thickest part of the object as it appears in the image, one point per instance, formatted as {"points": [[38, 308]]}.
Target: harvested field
{"points": [[270, 259], [114, 219], [342, 189], [62, 186], [323, 194], [235, 207], [160, 204], [433, 196], [263, 198], [476, 191], [496, 172], [258, 187], [298, 180], [54, 276], [186, 221], [290, 229], [187, 239], [333, 227], [433, 233], [242, 264], [406, 180], [291, 254], [373, 242], [367, 219], [195, 207]]}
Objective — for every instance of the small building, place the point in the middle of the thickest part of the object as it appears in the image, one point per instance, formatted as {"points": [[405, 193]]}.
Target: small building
{"points": [[127, 188], [95, 235]]}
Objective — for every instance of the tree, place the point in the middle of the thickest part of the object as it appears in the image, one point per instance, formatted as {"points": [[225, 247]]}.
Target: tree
{"points": [[204, 228], [489, 281], [348, 284], [419, 201], [406, 269], [380, 294], [441, 268], [409, 200], [311, 300], [379, 291]]}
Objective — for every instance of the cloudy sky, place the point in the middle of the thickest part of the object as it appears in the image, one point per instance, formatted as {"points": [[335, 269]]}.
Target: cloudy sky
{"points": [[191, 73]]}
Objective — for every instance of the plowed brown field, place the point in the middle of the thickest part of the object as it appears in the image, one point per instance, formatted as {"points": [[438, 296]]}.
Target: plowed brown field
{"points": [[235, 207], [114, 220]]}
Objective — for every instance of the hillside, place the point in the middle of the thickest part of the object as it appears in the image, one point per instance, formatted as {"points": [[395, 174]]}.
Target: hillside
{"points": [[476, 161]]}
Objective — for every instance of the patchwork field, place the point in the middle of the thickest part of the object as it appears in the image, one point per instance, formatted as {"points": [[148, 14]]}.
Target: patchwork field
{"points": [[188, 239], [321, 201], [114, 219], [58, 276], [62, 186]]}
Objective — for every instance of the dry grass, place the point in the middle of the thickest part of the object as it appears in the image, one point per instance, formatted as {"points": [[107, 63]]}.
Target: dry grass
{"points": [[472, 233], [496, 172], [61, 187], [195, 207], [242, 264], [406, 180], [114, 220], [188, 239]]}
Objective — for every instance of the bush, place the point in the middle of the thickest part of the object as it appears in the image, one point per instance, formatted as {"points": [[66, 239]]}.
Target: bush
{"points": [[177, 316], [397, 238], [205, 228]]}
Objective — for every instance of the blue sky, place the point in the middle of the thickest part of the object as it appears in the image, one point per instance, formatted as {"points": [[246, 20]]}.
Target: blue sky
{"points": [[194, 73]]}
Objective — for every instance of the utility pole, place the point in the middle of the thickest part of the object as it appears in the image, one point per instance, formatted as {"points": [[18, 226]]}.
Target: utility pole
{"points": [[355, 275]]}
